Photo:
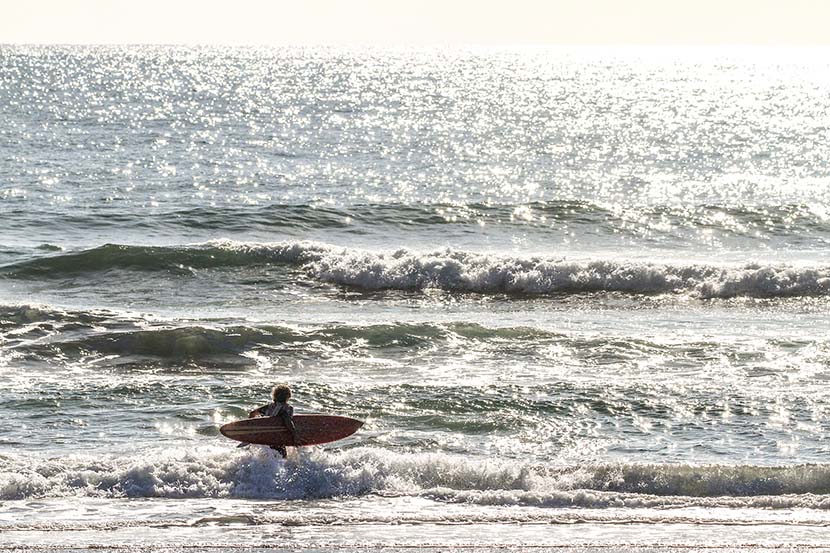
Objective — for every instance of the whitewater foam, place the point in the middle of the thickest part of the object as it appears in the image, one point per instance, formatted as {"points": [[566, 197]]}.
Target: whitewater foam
{"points": [[450, 270], [460, 271], [259, 474]]}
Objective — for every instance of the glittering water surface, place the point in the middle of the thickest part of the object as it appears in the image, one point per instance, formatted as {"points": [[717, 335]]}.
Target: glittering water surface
{"points": [[561, 287]]}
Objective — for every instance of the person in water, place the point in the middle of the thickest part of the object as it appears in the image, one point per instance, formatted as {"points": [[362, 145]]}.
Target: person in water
{"points": [[279, 408]]}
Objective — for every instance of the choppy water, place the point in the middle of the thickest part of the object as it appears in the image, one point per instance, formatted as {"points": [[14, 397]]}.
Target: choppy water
{"points": [[560, 286]]}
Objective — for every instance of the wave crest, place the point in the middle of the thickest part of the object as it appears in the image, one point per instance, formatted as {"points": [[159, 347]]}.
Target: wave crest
{"points": [[449, 270], [460, 271]]}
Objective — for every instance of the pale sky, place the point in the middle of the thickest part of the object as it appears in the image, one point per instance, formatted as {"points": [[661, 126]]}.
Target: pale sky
{"points": [[415, 22]]}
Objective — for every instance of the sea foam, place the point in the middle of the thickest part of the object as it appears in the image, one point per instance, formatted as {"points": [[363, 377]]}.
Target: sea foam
{"points": [[447, 269], [260, 474]]}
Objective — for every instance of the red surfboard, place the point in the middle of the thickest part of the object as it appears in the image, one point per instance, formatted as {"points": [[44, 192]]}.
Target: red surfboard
{"points": [[313, 430]]}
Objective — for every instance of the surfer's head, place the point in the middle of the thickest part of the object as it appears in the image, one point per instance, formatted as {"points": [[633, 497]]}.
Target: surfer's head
{"points": [[281, 393]]}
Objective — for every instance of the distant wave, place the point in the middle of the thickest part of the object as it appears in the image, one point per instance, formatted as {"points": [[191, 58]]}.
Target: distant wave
{"points": [[178, 260], [450, 270], [257, 474], [794, 219]]}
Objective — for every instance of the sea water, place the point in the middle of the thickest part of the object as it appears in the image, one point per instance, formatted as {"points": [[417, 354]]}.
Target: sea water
{"points": [[579, 296]]}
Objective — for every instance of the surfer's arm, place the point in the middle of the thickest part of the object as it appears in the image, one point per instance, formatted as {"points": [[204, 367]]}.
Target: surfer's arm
{"points": [[289, 422], [258, 412]]}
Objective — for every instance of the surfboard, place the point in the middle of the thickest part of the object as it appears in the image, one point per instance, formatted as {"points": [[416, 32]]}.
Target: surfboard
{"points": [[313, 430]]}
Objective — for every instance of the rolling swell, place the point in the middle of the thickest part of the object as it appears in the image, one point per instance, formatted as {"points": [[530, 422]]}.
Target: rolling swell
{"points": [[449, 270], [748, 221], [196, 342], [46, 331], [360, 471], [180, 260]]}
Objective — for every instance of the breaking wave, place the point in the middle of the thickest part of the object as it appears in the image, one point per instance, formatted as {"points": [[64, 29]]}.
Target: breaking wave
{"points": [[259, 474], [449, 270]]}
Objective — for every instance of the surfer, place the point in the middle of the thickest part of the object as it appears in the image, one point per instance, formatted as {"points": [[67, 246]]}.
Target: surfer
{"points": [[279, 408]]}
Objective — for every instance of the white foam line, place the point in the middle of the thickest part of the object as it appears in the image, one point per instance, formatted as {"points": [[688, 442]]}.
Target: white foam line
{"points": [[233, 473], [445, 546], [293, 520], [462, 271]]}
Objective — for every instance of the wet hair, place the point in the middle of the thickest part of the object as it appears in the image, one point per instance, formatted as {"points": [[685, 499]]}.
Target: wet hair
{"points": [[281, 393]]}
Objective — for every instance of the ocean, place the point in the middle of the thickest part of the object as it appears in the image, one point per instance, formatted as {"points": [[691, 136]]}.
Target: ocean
{"points": [[579, 296]]}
